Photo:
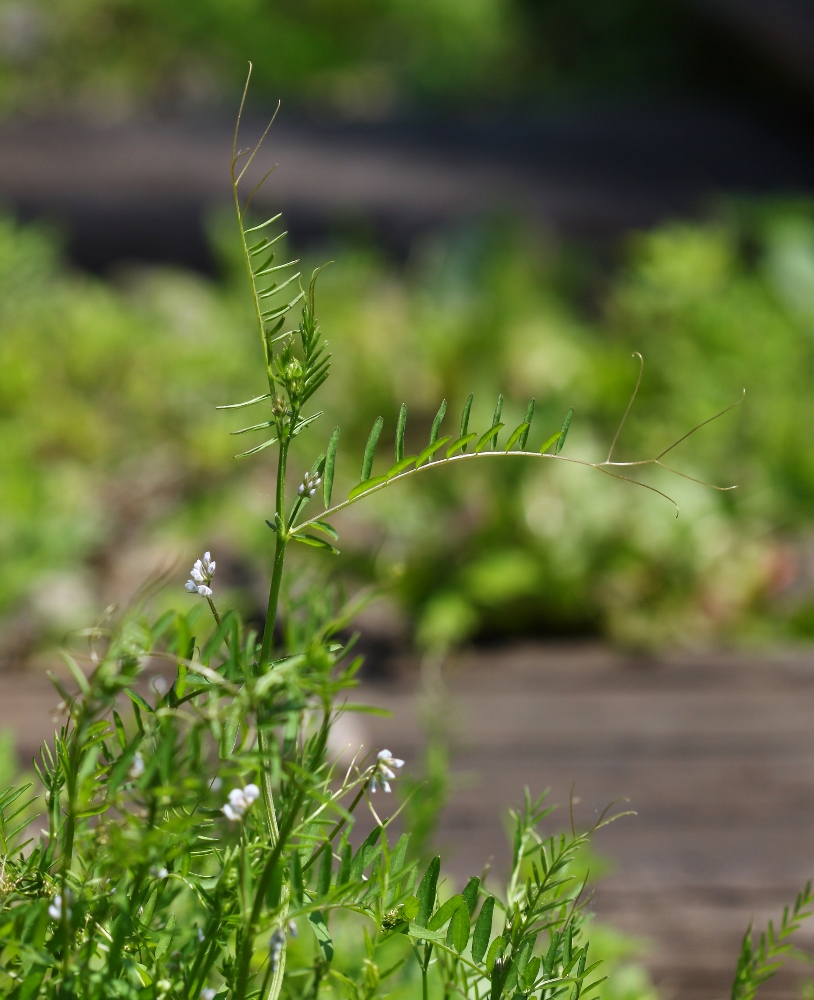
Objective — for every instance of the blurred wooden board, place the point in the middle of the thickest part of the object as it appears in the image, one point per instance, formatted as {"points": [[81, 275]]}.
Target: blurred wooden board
{"points": [[715, 753], [139, 190]]}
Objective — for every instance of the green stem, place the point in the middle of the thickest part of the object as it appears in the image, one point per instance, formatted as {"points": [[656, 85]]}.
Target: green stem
{"points": [[279, 561]]}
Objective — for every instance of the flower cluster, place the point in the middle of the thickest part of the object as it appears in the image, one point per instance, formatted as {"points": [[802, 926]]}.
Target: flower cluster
{"points": [[383, 772], [240, 801], [201, 576], [308, 486]]}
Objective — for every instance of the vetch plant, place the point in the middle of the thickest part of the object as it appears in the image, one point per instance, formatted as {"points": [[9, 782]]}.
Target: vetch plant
{"points": [[148, 880]]}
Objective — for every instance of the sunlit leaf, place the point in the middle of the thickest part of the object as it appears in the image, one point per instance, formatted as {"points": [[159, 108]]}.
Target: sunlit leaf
{"points": [[490, 435], [552, 440], [368, 484], [430, 450], [400, 466], [515, 435], [460, 444]]}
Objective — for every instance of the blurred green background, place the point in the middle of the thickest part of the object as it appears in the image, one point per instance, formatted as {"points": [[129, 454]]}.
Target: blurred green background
{"points": [[115, 464]]}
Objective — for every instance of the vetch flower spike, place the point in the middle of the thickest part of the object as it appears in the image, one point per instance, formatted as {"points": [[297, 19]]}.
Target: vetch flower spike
{"points": [[383, 772], [308, 486], [240, 801], [200, 576]]}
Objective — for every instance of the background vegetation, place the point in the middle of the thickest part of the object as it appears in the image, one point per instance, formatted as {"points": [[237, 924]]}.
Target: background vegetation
{"points": [[361, 58], [113, 453]]}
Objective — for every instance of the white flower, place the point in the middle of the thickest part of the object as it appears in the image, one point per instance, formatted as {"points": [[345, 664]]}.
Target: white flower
{"points": [[308, 486], [137, 767], [208, 993], [55, 909], [383, 772], [201, 576], [276, 948], [240, 800]]}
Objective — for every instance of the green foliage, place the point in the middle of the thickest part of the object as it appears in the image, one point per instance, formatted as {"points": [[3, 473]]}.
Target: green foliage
{"points": [[758, 963], [147, 884], [129, 456], [362, 58], [149, 881]]}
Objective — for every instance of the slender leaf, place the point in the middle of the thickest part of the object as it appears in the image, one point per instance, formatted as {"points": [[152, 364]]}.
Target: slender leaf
{"points": [[426, 892], [483, 929], [137, 700], [263, 425], [329, 530], [343, 875], [76, 671], [268, 222], [496, 417], [400, 432], [465, 418], [444, 913], [430, 450], [460, 444], [330, 465], [470, 894], [458, 930], [516, 434], [370, 448], [436, 424], [317, 921], [249, 402], [260, 447], [490, 435], [552, 440], [405, 463], [495, 949], [324, 877], [316, 543], [564, 429], [367, 484], [527, 420]]}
